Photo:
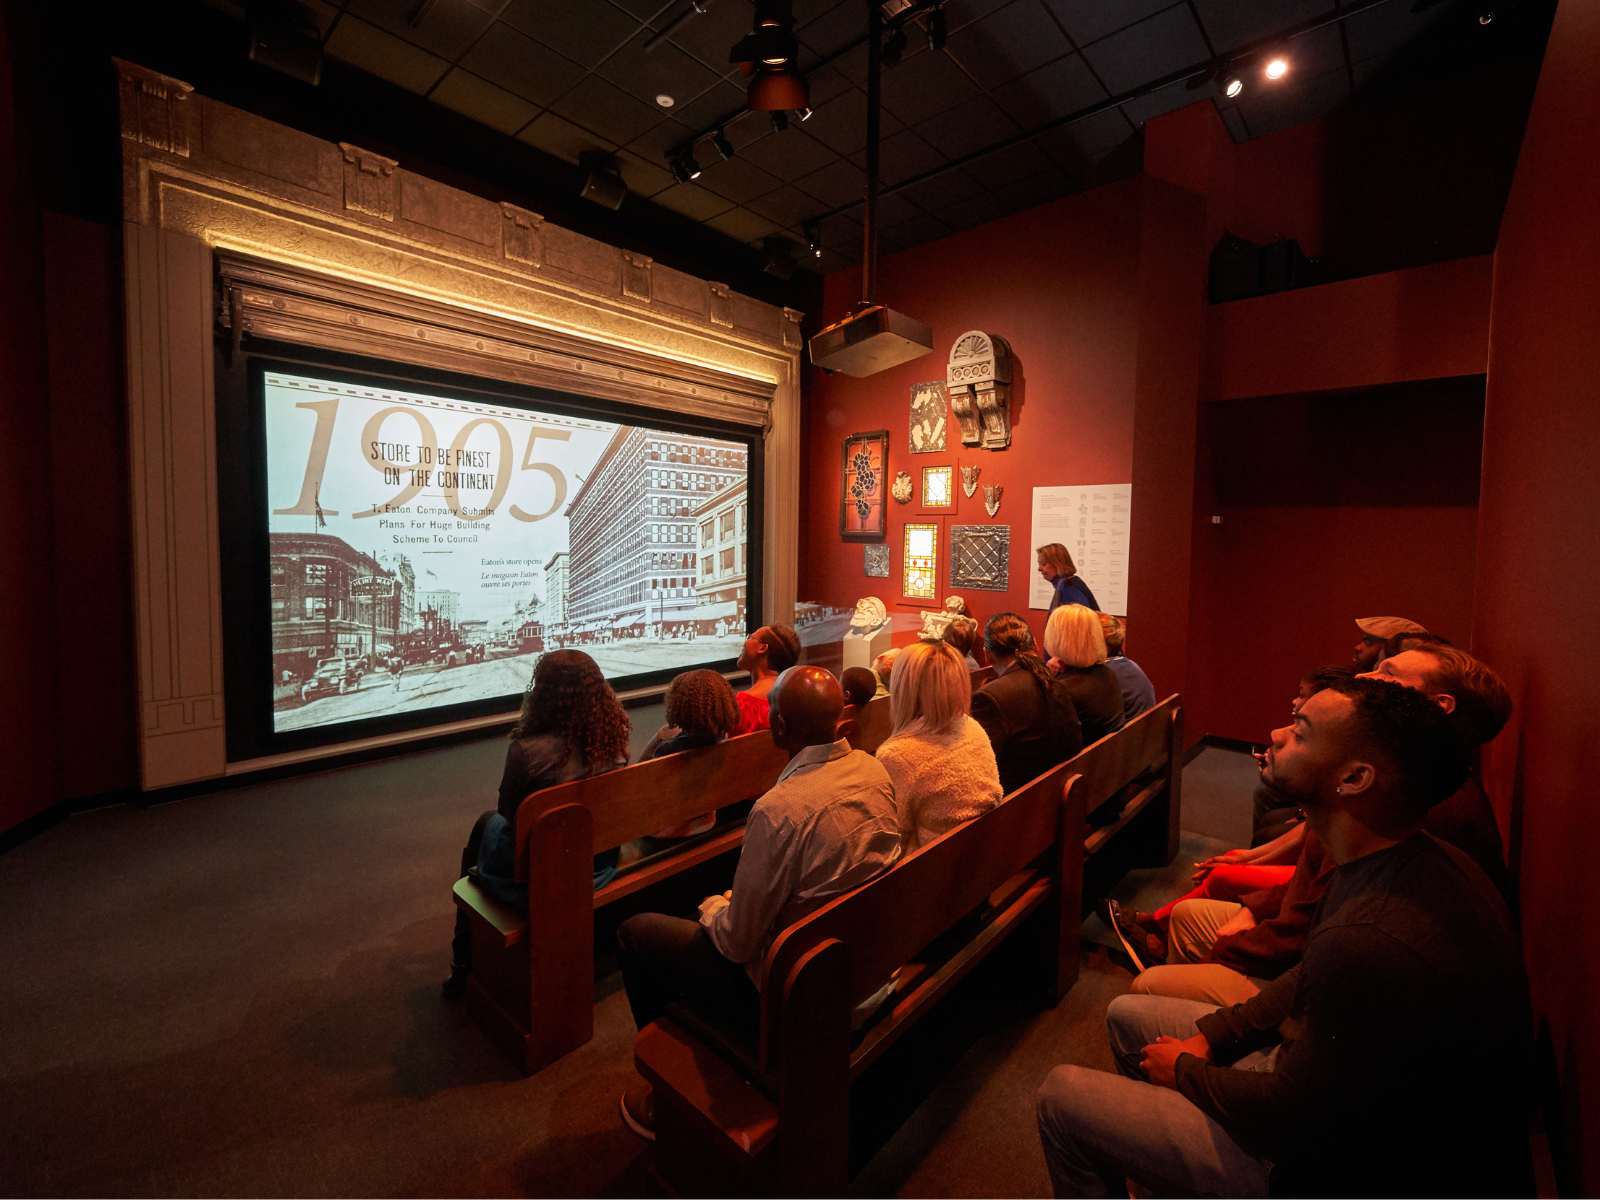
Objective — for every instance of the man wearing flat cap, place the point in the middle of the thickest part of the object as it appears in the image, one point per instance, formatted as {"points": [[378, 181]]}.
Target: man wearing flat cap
{"points": [[1375, 631]]}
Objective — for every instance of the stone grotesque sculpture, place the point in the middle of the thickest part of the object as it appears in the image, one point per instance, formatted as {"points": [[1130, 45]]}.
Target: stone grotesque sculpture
{"points": [[870, 613]]}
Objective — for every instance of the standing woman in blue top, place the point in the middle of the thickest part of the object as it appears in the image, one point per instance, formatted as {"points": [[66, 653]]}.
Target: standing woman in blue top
{"points": [[1056, 565]]}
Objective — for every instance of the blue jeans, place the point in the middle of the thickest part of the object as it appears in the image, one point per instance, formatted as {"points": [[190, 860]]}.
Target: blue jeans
{"points": [[1098, 1130]]}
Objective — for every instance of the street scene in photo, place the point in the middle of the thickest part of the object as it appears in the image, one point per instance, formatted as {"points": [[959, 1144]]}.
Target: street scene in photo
{"points": [[426, 550]]}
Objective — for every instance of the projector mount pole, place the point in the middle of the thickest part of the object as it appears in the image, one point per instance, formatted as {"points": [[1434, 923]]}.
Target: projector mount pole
{"points": [[869, 236]]}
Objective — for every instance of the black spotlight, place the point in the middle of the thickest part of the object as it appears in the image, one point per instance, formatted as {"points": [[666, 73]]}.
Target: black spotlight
{"points": [[603, 184], [804, 114], [893, 48], [723, 145], [776, 258], [937, 29], [780, 120], [813, 240], [1486, 17], [1231, 84], [684, 166]]}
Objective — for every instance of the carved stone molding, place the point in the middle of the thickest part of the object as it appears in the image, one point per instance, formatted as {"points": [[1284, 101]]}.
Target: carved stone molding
{"points": [[288, 304], [791, 328], [154, 108], [636, 275], [519, 235], [369, 182], [721, 305]]}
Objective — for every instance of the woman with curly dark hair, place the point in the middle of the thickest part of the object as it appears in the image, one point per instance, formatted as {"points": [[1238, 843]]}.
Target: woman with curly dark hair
{"points": [[571, 727], [768, 653], [701, 711]]}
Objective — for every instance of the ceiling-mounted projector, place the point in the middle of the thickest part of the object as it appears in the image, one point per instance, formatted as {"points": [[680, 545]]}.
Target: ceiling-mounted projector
{"points": [[871, 340]]}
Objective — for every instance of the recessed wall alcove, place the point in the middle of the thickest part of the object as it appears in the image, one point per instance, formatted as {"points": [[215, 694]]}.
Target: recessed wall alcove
{"points": [[238, 227]]}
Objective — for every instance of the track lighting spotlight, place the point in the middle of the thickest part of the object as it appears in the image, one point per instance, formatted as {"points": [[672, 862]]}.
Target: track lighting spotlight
{"points": [[813, 239], [894, 48], [1275, 64], [937, 29], [724, 147], [684, 166], [1486, 17], [1231, 85], [804, 114], [780, 120], [767, 54]]}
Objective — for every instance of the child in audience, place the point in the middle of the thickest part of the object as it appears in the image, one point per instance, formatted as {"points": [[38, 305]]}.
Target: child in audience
{"points": [[768, 653], [939, 759], [1077, 651], [571, 727], [860, 685], [701, 711]]}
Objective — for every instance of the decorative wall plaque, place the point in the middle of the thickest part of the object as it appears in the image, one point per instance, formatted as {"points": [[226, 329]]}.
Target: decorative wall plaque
{"points": [[875, 560], [969, 479], [902, 487], [991, 498], [862, 515], [921, 562], [979, 381], [980, 556], [927, 417], [519, 235], [369, 183]]}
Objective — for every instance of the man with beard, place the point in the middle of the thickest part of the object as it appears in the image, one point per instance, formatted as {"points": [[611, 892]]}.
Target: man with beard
{"points": [[1390, 1061]]}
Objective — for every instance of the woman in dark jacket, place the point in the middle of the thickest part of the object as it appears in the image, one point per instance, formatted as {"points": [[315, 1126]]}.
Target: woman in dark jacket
{"points": [[571, 727], [1056, 565], [1025, 709], [1077, 650]]}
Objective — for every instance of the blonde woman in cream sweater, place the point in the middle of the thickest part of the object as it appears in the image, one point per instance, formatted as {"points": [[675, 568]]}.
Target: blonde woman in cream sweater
{"points": [[938, 757]]}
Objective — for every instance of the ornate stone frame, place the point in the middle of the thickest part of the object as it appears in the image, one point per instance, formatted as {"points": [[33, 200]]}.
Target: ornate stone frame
{"points": [[237, 223]]}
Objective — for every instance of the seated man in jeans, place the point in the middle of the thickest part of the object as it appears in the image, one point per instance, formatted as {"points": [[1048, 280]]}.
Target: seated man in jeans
{"points": [[1390, 1061], [828, 825]]}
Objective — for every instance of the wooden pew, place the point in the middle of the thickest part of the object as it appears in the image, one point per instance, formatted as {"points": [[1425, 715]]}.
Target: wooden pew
{"points": [[767, 1113], [532, 982]]}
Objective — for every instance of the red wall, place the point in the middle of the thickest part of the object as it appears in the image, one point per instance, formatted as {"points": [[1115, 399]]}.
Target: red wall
{"points": [[1538, 562], [1060, 284]]}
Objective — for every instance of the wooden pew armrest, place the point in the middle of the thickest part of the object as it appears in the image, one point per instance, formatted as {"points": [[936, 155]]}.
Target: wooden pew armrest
{"points": [[727, 1108], [510, 924]]}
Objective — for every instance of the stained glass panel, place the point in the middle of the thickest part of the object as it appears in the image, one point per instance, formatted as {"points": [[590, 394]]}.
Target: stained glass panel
{"points": [[921, 562]]}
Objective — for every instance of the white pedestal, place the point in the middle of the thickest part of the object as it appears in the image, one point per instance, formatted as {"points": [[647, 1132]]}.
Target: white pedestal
{"points": [[861, 649]]}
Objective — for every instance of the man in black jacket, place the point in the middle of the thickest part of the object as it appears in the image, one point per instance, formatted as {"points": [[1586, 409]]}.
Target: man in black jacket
{"points": [[1391, 1061]]}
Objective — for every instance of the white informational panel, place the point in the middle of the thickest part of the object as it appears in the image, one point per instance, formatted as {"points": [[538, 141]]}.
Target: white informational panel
{"points": [[1091, 521]]}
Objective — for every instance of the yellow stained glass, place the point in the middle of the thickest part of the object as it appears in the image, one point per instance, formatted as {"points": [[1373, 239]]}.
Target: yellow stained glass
{"points": [[938, 487], [921, 561]]}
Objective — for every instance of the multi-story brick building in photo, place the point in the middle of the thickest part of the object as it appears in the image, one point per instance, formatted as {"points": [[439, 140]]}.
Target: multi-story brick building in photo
{"points": [[722, 526], [555, 588], [314, 614], [632, 533]]}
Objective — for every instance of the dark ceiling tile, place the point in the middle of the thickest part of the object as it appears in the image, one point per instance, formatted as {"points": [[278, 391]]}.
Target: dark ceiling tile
{"points": [[743, 225], [479, 99], [643, 177], [893, 209], [789, 154], [1232, 23], [834, 29], [738, 179], [1036, 190], [655, 143], [968, 214], [321, 14], [519, 64], [968, 127], [958, 14], [906, 155], [1009, 42], [1368, 70], [924, 86], [919, 230], [1309, 99], [1144, 52], [838, 183], [609, 111], [586, 31], [693, 202], [1167, 100], [828, 262], [824, 83], [789, 207], [1082, 139], [721, 103], [1386, 28], [1053, 91], [643, 10], [1317, 53], [382, 54], [709, 36], [1011, 164], [449, 28], [1090, 20], [666, 70], [852, 64], [561, 138], [841, 124], [938, 193]]}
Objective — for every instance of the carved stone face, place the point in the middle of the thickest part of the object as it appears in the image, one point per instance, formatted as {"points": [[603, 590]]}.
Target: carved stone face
{"points": [[870, 613]]}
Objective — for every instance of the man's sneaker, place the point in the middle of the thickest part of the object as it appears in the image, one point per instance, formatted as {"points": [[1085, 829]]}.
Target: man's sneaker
{"points": [[1111, 913], [639, 1110]]}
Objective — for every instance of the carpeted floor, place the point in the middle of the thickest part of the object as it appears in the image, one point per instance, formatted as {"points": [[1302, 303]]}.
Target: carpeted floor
{"points": [[238, 995]]}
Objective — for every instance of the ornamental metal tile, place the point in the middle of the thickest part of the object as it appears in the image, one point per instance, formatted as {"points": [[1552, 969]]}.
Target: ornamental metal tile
{"points": [[875, 561], [980, 556]]}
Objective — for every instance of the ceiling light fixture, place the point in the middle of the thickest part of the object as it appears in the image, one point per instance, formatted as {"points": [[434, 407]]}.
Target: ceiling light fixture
{"points": [[1486, 17], [684, 166], [804, 114], [1232, 85], [723, 146], [767, 55], [894, 48], [1277, 64], [813, 239], [665, 100], [937, 29], [780, 120]]}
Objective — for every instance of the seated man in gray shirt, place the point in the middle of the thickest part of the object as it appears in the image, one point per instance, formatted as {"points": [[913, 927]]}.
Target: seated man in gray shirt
{"points": [[828, 825], [1390, 1062]]}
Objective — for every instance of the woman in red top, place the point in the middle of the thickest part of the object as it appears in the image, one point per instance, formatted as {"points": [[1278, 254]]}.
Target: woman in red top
{"points": [[768, 653]]}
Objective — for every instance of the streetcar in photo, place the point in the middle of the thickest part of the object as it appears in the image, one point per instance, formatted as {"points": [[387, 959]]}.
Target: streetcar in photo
{"points": [[530, 637]]}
